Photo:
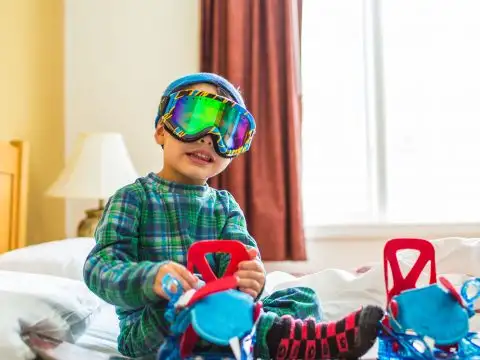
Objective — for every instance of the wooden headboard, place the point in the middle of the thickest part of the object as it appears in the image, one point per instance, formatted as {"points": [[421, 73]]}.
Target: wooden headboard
{"points": [[13, 194]]}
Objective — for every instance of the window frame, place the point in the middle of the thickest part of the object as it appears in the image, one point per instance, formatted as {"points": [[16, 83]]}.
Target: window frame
{"points": [[377, 166]]}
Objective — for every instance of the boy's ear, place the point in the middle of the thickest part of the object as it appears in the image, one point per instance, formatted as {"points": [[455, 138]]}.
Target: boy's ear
{"points": [[160, 135]]}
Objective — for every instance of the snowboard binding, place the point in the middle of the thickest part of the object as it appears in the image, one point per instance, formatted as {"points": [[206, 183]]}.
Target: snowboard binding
{"points": [[199, 315], [430, 322]]}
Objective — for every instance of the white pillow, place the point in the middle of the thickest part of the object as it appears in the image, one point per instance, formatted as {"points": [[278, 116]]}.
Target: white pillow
{"points": [[58, 307], [62, 258]]}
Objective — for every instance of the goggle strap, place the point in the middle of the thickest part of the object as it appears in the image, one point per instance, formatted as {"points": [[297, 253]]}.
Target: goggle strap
{"points": [[163, 105]]}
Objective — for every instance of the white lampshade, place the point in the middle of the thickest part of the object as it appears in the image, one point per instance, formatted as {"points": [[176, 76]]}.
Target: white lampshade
{"points": [[99, 166]]}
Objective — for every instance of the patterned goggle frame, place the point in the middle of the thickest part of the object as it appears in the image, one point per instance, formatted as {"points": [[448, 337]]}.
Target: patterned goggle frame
{"points": [[189, 115]]}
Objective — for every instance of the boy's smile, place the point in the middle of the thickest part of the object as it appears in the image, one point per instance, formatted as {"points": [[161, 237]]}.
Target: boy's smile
{"points": [[191, 163], [201, 157]]}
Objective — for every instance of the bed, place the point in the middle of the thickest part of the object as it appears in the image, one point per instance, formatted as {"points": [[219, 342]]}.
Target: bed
{"points": [[41, 286]]}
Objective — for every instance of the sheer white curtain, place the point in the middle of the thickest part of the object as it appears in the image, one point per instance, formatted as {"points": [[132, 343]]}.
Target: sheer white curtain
{"points": [[429, 89], [335, 180]]}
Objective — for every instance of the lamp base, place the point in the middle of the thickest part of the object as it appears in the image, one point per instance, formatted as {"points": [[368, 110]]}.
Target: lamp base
{"points": [[87, 226]]}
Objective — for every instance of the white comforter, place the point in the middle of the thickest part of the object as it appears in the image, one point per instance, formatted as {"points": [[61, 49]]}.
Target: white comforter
{"points": [[58, 307], [51, 295]]}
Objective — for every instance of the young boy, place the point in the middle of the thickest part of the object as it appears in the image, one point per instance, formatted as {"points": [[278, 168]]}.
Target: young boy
{"points": [[148, 226]]}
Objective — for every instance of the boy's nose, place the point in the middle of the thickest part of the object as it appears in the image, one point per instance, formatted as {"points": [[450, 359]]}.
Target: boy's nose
{"points": [[207, 140]]}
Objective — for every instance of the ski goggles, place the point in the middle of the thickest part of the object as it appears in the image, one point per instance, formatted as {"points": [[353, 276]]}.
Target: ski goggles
{"points": [[189, 115]]}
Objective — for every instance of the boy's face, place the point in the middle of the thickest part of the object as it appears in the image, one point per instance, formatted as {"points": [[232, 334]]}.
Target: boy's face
{"points": [[191, 163]]}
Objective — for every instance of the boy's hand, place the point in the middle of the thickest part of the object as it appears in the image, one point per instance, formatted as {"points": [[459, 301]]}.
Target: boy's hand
{"points": [[251, 275], [179, 272]]}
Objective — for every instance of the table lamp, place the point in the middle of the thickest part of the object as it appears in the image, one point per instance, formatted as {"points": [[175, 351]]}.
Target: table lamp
{"points": [[99, 166]]}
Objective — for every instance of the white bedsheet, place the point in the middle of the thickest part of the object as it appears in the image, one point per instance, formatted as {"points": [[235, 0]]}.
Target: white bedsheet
{"points": [[103, 331], [58, 307], [339, 291]]}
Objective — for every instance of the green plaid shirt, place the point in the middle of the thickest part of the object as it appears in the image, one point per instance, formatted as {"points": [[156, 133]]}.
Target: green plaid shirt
{"points": [[145, 224]]}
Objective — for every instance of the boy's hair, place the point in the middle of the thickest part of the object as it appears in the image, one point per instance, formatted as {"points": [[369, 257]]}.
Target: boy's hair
{"points": [[225, 88]]}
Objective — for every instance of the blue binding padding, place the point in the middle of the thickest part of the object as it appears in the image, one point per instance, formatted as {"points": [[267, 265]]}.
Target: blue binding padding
{"points": [[222, 316], [431, 311]]}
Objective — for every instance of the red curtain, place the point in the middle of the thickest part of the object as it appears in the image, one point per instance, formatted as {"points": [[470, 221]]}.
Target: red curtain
{"points": [[256, 45]]}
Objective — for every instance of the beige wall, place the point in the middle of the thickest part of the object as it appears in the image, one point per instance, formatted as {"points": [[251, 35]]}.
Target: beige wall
{"points": [[120, 54], [118, 57], [31, 101]]}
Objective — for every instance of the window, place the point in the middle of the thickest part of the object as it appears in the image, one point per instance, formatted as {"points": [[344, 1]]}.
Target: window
{"points": [[391, 93]]}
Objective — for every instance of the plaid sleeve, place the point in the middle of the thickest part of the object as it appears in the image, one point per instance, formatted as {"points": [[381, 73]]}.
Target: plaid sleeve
{"points": [[235, 229], [112, 270]]}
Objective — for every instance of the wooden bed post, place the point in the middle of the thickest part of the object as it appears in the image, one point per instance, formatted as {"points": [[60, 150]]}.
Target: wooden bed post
{"points": [[13, 194], [22, 195]]}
